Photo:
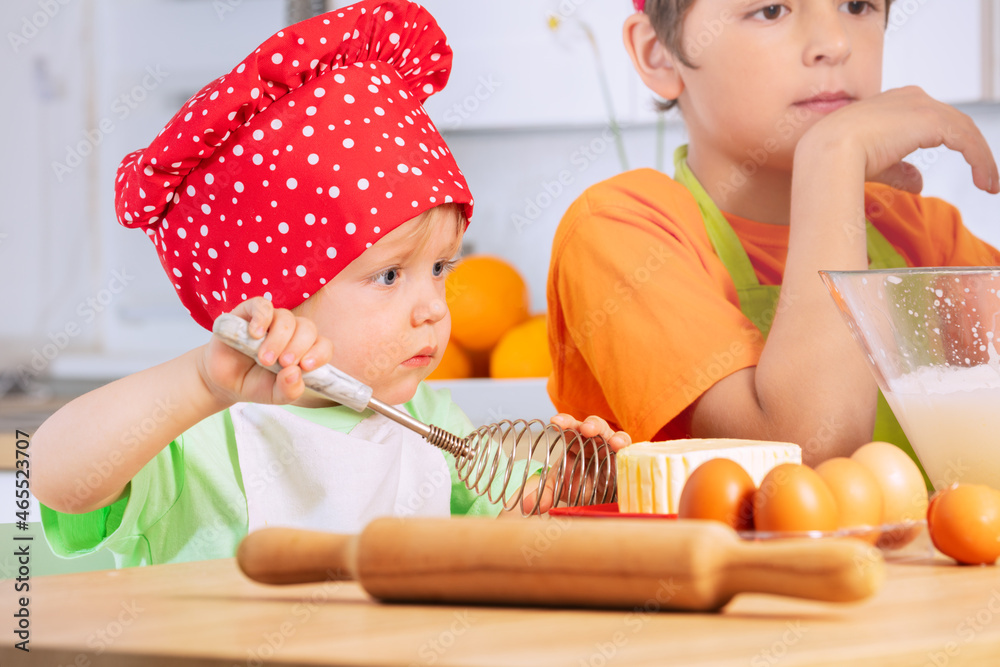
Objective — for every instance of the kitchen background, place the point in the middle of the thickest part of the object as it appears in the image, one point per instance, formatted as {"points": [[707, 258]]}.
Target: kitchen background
{"points": [[542, 102]]}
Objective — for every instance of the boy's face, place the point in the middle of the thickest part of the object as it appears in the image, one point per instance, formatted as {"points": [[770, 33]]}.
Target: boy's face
{"points": [[765, 72], [386, 313]]}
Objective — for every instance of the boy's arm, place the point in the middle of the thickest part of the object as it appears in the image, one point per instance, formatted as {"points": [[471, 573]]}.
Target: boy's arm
{"points": [[812, 385], [100, 440]]}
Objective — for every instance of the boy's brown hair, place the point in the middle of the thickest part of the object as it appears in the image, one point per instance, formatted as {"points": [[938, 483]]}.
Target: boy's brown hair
{"points": [[667, 19]]}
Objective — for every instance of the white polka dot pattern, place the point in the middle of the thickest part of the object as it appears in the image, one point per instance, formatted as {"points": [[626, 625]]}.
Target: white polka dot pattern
{"points": [[280, 173]]}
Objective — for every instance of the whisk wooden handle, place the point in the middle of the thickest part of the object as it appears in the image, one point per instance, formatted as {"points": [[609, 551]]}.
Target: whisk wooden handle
{"points": [[624, 563]]}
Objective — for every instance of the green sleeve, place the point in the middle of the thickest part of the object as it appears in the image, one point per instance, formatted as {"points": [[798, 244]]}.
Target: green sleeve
{"points": [[120, 526], [77, 534], [434, 406]]}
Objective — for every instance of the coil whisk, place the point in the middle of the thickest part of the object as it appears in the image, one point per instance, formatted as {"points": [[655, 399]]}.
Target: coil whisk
{"points": [[501, 461]]}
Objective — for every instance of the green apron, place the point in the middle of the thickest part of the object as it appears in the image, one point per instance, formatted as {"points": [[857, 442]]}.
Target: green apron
{"points": [[759, 302]]}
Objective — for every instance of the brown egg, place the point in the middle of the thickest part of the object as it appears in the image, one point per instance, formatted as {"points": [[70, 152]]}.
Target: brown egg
{"points": [[791, 498], [903, 490], [719, 489], [856, 492]]}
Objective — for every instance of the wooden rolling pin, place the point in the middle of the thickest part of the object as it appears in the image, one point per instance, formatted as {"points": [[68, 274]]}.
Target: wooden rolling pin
{"points": [[621, 563]]}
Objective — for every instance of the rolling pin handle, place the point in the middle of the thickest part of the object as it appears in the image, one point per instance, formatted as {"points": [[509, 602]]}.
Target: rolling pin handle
{"points": [[295, 556]]}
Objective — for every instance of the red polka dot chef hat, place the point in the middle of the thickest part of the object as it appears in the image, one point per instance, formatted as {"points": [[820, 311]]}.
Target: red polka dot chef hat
{"points": [[274, 177]]}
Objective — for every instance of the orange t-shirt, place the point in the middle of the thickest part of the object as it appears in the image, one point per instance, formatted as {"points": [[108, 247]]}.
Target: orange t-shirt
{"points": [[643, 316]]}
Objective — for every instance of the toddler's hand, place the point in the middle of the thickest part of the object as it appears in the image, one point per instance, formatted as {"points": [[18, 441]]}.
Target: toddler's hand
{"points": [[889, 126], [289, 341], [593, 426]]}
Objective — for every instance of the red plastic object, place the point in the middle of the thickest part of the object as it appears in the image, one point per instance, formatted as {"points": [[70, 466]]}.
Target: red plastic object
{"points": [[606, 511]]}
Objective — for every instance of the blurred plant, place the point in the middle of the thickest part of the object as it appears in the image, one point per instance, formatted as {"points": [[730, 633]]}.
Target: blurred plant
{"points": [[300, 10], [555, 22]]}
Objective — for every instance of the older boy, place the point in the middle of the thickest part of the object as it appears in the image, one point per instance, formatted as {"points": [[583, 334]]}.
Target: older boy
{"points": [[664, 311]]}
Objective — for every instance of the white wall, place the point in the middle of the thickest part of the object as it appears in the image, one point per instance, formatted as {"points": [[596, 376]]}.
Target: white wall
{"points": [[514, 79]]}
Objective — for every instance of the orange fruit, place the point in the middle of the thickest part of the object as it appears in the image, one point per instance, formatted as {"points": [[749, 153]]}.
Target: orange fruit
{"points": [[964, 523], [487, 297], [455, 364], [523, 352]]}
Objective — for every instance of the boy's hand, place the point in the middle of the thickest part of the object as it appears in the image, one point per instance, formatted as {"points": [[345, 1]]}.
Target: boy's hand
{"points": [[290, 341], [887, 127], [902, 176], [543, 492], [593, 426]]}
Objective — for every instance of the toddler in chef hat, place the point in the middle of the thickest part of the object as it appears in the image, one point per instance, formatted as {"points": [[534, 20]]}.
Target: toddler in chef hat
{"points": [[308, 192]]}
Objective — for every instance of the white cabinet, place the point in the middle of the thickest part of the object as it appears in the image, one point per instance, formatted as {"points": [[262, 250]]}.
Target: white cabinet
{"points": [[42, 560], [487, 401], [531, 63], [950, 48]]}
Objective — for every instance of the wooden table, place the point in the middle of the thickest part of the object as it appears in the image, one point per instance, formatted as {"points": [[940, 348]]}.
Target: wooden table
{"points": [[930, 612]]}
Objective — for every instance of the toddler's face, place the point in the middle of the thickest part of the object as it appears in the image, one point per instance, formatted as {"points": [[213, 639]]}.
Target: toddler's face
{"points": [[386, 312], [766, 72]]}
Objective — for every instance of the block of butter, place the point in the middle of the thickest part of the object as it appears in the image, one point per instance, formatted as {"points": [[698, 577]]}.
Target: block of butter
{"points": [[651, 475]]}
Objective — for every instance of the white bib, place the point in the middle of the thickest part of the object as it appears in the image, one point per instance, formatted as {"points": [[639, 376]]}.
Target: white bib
{"points": [[300, 474]]}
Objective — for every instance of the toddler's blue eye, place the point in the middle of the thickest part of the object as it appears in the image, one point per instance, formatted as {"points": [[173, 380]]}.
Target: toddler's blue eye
{"points": [[443, 268], [387, 277]]}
